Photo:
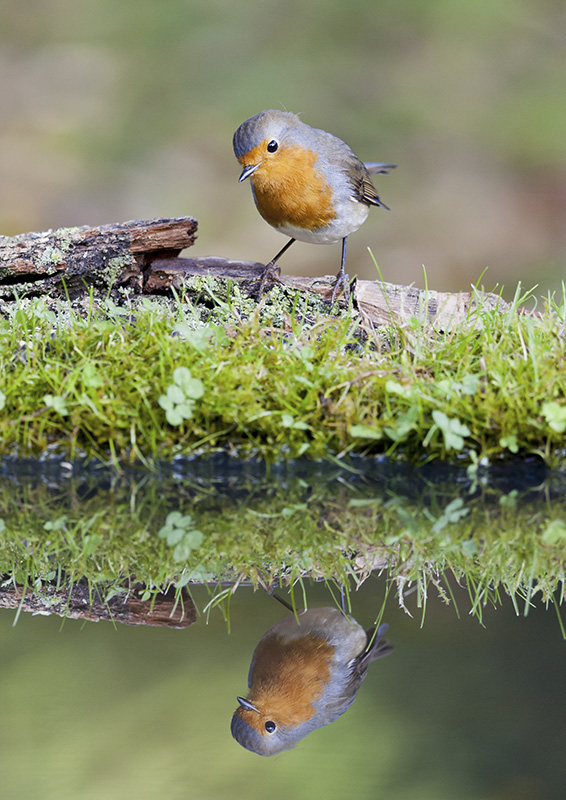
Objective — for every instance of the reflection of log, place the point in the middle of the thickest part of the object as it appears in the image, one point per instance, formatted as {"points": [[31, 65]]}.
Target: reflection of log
{"points": [[142, 254], [84, 602]]}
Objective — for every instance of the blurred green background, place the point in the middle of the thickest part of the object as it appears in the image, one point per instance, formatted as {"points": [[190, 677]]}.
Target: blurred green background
{"points": [[457, 711], [116, 110]]}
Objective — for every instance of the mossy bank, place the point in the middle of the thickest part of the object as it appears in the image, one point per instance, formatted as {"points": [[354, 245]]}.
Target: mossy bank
{"points": [[149, 379]]}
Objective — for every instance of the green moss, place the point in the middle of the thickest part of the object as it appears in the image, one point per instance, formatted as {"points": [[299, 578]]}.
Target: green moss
{"points": [[280, 381], [114, 268]]}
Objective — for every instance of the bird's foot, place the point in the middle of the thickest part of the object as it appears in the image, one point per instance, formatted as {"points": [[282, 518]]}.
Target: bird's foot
{"points": [[342, 283], [270, 274]]}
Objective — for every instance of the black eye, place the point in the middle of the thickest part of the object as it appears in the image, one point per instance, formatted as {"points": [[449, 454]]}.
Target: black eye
{"points": [[270, 726], [272, 146]]}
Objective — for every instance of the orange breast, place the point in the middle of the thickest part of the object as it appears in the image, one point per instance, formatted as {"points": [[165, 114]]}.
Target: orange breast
{"points": [[287, 678], [289, 190]]}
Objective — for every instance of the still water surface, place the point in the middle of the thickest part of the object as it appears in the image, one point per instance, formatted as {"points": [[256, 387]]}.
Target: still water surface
{"points": [[458, 710]]}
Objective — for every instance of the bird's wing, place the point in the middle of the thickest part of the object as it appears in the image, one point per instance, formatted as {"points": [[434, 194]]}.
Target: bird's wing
{"points": [[363, 189], [377, 648]]}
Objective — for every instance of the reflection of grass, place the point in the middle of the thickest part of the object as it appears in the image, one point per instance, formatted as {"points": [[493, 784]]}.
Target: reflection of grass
{"points": [[278, 380], [167, 532]]}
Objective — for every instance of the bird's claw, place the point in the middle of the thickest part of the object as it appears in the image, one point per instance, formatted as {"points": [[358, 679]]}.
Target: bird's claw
{"points": [[341, 283], [271, 273]]}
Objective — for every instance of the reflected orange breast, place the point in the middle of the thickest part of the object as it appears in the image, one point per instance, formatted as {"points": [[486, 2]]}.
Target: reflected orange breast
{"points": [[288, 677]]}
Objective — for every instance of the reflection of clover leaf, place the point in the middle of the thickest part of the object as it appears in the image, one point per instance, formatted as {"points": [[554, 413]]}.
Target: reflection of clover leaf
{"points": [[453, 512], [555, 532], [180, 534], [179, 400]]}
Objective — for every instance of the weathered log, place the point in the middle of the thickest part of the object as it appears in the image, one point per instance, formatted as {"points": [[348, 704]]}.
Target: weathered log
{"points": [[70, 260], [81, 601], [379, 303], [143, 254]]}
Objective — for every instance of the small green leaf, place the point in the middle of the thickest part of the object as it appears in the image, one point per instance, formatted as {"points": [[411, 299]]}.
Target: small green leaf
{"points": [[181, 552], [175, 394], [361, 431], [555, 415], [199, 338], [197, 574], [469, 548], [192, 387], [91, 378], [404, 424], [91, 543], [555, 532], [510, 443], [509, 500], [57, 403], [178, 402], [173, 417], [165, 403], [186, 409], [470, 384], [175, 518], [288, 511], [194, 539], [393, 387], [453, 512], [452, 429], [408, 519], [175, 535], [56, 524]]}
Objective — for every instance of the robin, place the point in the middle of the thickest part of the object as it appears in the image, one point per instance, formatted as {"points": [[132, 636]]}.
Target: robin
{"points": [[306, 183], [305, 673]]}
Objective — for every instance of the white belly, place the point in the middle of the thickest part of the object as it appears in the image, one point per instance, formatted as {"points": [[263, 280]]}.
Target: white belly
{"points": [[350, 215]]}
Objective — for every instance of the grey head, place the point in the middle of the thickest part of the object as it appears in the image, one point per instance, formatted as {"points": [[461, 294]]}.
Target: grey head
{"points": [[272, 123]]}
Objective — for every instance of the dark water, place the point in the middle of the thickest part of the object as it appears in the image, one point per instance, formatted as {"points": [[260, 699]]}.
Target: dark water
{"points": [[459, 710]]}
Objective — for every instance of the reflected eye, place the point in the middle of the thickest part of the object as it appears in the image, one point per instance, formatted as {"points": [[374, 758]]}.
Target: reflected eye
{"points": [[270, 726], [272, 146]]}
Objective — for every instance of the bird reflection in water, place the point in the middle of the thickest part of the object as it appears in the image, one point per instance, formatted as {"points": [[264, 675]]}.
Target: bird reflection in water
{"points": [[305, 673]]}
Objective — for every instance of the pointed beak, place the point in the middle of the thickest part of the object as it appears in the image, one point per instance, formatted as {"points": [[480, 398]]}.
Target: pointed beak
{"points": [[246, 704], [247, 171]]}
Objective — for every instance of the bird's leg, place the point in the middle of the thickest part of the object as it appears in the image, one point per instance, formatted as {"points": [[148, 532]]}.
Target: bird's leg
{"points": [[272, 271], [283, 602], [341, 278]]}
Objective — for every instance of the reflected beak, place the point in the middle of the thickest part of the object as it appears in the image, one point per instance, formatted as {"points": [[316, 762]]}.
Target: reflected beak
{"points": [[247, 171], [246, 704]]}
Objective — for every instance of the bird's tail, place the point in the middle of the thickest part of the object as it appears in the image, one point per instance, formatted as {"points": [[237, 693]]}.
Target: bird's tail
{"points": [[377, 645], [376, 168]]}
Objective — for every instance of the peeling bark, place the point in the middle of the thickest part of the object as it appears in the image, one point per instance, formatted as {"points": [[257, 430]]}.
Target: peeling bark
{"points": [[80, 601], [69, 261]]}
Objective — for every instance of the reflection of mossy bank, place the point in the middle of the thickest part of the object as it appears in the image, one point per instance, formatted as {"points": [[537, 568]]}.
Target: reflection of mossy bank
{"points": [[279, 378], [215, 521]]}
